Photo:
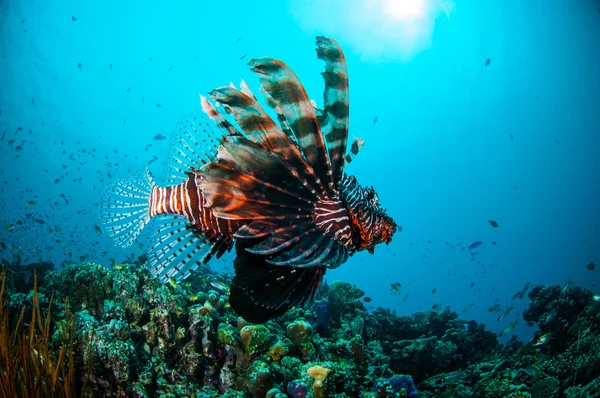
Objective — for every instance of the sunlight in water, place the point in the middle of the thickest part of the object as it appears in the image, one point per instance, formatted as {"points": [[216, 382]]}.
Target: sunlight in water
{"points": [[403, 10], [375, 29]]}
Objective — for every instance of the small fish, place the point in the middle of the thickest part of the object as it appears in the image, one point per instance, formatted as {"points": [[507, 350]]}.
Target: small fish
{"points": [[532, 370], [495, 308], [521, 293], [511, 136], [591, 266], [219, 285], [238, 39], [376, 119], [243, 56], [169, 68], [367, 299], [396, 288], [505, 312], [110, 67], [97, 229], [596, 297], [467, 308], [543, 339], [509, 328], [566, 287], [549, 316], [159, 137], [118, 266], [10, 227], [436, 307], [493, 223], [488, 62], [173, 283], [31, 202], [158, 105], [475, 245], [405, 298], [73, 18], [128, 90], [434, 290], [193, 297], [79, 65]]}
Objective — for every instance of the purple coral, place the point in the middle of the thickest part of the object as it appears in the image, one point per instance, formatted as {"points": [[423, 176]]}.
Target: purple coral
{"points": [[395, 384], [297, 389], [322, 311]]}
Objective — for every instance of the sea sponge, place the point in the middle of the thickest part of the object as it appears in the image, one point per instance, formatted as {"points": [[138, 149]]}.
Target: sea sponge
{"points": [[319, 374], [299, 331], [254, 337], [278, 351]]}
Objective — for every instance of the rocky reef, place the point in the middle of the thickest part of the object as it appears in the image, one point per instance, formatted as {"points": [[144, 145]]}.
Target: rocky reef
{"points": [[135, 337]]}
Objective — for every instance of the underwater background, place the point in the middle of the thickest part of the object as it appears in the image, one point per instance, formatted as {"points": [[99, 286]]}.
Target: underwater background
{"points": [[480, 120]]}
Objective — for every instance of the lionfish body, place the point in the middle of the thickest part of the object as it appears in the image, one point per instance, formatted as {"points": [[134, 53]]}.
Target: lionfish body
{"points": [[275, 191]]}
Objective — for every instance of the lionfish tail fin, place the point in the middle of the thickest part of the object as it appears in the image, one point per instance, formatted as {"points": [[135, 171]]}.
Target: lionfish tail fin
{"points": [[124, 208], [261, 291]]}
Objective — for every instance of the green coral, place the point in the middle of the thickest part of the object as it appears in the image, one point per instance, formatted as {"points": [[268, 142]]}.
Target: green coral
{"points": [[255, 338], [545, 388]]}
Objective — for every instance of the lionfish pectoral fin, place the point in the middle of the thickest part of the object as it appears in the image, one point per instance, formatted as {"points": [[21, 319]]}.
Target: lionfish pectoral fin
{"points": [[124, 208], [178, 248], [357, 144], [261, 291]]}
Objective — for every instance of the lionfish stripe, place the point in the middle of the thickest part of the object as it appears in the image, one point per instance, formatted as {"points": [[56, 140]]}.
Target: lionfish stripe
{"points": [[357, 144], [317, 260], [282, 84], [282, 240], [301, 251], [336, 100]]}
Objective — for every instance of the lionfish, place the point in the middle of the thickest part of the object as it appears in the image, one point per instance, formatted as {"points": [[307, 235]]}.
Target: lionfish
{"points": [[275, 191]]}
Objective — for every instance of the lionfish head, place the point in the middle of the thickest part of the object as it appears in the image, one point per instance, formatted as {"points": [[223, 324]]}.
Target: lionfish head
{"points": [[372, 225]]}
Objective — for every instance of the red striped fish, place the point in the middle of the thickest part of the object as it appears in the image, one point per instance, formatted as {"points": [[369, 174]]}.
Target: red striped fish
{"points": [[276, 190]]}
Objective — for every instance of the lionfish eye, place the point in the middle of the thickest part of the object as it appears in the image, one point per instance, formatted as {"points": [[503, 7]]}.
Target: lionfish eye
{"points": [[372, 197]]}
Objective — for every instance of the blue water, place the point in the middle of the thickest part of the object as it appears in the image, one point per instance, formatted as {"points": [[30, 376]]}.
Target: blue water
{"points": [[440, 154]]}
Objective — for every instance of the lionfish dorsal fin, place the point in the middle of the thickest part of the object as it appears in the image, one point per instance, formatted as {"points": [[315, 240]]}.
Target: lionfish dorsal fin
{"points": [[357, 144], [336, 102], [193, 144], [283, 124], [216, 117], [255, 122], [246, 89], [288, 93]]}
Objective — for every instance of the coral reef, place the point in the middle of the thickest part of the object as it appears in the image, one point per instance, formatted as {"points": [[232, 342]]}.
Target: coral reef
{"points": [[132, 336]]}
